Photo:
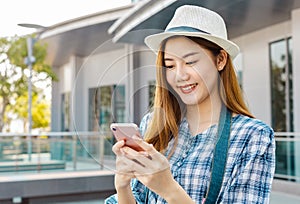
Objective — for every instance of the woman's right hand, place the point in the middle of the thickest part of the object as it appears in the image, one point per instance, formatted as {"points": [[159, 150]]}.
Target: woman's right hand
{"points": [[123, 174]]}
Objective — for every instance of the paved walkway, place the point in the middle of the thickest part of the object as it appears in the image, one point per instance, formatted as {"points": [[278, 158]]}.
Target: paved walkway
{"points": [[280, 198]]}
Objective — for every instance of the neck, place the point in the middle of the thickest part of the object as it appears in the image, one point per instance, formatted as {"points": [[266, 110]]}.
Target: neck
{"points": [[202, 116]]}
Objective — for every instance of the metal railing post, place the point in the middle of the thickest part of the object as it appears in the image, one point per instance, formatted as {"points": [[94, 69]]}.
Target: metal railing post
{"points": [[101, 153], [74, 151]]}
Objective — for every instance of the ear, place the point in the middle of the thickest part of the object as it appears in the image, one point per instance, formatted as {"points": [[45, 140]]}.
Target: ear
{"points": [[222, 60]]}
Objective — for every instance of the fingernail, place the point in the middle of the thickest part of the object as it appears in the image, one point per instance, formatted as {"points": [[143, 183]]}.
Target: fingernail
{"points": [[121, 141]]}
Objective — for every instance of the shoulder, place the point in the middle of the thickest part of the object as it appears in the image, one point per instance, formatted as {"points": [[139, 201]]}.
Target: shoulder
{"points": [[247, 125], [250, 124], [253, 134]]}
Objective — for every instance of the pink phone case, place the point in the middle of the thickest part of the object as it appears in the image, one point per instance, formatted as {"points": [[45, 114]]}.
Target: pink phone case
{"points": [[125, 131]]}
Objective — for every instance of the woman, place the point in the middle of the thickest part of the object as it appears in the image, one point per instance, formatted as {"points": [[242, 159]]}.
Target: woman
{"points": [[197, 100]]}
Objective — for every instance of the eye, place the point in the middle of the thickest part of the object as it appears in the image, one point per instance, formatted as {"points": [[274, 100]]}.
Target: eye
{"points": [[191, 62], [169, 66]]}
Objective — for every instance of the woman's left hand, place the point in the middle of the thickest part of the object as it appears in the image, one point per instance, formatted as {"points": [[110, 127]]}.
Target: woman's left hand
{"points": [[149, 166]]}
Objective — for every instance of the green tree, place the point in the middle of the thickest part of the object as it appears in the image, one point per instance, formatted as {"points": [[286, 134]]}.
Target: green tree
{"points": [[40, 110], [14, 74]]}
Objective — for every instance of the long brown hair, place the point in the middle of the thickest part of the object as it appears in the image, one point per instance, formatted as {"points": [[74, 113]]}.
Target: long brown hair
{"points": [[168, 108]]}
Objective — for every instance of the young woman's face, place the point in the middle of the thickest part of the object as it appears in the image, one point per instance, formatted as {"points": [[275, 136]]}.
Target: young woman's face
{"points": [[190, 70]]}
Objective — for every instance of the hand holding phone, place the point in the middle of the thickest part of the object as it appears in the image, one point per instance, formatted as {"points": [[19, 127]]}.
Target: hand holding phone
{"points": [[125, 131]]}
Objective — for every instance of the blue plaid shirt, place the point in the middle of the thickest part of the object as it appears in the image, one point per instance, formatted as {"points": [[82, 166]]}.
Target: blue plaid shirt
{"points": [[249, 170]]}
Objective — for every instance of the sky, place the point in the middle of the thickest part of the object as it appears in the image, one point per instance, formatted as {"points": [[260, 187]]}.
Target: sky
{"points": [[47, 12]]}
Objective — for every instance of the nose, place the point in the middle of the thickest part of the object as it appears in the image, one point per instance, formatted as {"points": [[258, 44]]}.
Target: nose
{"points": [[182, 73]]}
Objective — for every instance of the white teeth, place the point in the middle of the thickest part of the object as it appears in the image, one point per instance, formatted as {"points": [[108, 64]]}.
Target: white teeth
{"points": [[187, 88]]}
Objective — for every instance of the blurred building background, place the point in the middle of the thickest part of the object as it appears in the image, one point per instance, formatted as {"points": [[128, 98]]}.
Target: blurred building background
{"points": [[107, 74]]}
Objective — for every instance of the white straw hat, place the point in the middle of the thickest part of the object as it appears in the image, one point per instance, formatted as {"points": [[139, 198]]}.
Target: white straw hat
{"points": [[195, 21]]}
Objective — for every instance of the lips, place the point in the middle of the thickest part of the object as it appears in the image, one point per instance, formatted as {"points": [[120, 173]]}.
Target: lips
{"points": [[187, 88]]}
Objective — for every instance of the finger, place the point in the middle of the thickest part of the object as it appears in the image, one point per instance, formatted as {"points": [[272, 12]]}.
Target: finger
{"points": [[146, 146], [132, 153], [123, 165], [145, 154], [137, 157], [129, 152], [139, 164], [141, 158], [136, 165], [130, 165], [116, 148]]}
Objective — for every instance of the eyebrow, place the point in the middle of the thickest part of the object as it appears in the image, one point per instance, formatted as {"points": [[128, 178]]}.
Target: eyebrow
{"points": [[184, 56]]}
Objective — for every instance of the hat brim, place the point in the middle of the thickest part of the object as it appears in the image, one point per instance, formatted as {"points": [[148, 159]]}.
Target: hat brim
{"points": [[154, 41]]}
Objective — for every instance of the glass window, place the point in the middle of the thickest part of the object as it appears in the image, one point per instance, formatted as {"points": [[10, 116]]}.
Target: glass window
{"points": [[151, 92], [278, 85], [106, 105], [282, 102], [119, 104], [105, 108], [58, 150]]}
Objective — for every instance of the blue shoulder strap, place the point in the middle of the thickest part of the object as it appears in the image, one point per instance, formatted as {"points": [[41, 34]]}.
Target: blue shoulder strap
{"points": [[220, 156]]}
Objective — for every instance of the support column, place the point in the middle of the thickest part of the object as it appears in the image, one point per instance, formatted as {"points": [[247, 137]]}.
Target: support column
{"points": [[129, 87]]}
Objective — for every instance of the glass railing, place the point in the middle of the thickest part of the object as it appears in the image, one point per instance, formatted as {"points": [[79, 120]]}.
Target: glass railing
{"points": [[56, 151], [287, 156], [73, 151]]}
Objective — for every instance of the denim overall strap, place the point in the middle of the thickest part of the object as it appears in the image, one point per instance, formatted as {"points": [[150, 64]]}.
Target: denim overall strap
{"points": [[220, 156]]}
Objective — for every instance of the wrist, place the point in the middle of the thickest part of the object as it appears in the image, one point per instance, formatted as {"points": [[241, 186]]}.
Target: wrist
{"points": [[123, 188], [176, 194], [122, 182], [125, 195], [168, 193]]}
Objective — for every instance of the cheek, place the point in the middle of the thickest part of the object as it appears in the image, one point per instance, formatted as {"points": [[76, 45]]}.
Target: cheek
{"points": [[170, 77], [207, 74]]}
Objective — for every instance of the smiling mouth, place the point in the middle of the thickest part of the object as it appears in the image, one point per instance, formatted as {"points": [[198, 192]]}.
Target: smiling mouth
{"points": [[188, 88]]}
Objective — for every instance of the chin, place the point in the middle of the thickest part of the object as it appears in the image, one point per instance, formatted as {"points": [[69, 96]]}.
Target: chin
{"points": [[193, 101]]}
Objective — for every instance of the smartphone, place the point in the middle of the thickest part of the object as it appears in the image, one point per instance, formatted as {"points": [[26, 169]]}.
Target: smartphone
{"points": [[125, 131]]}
